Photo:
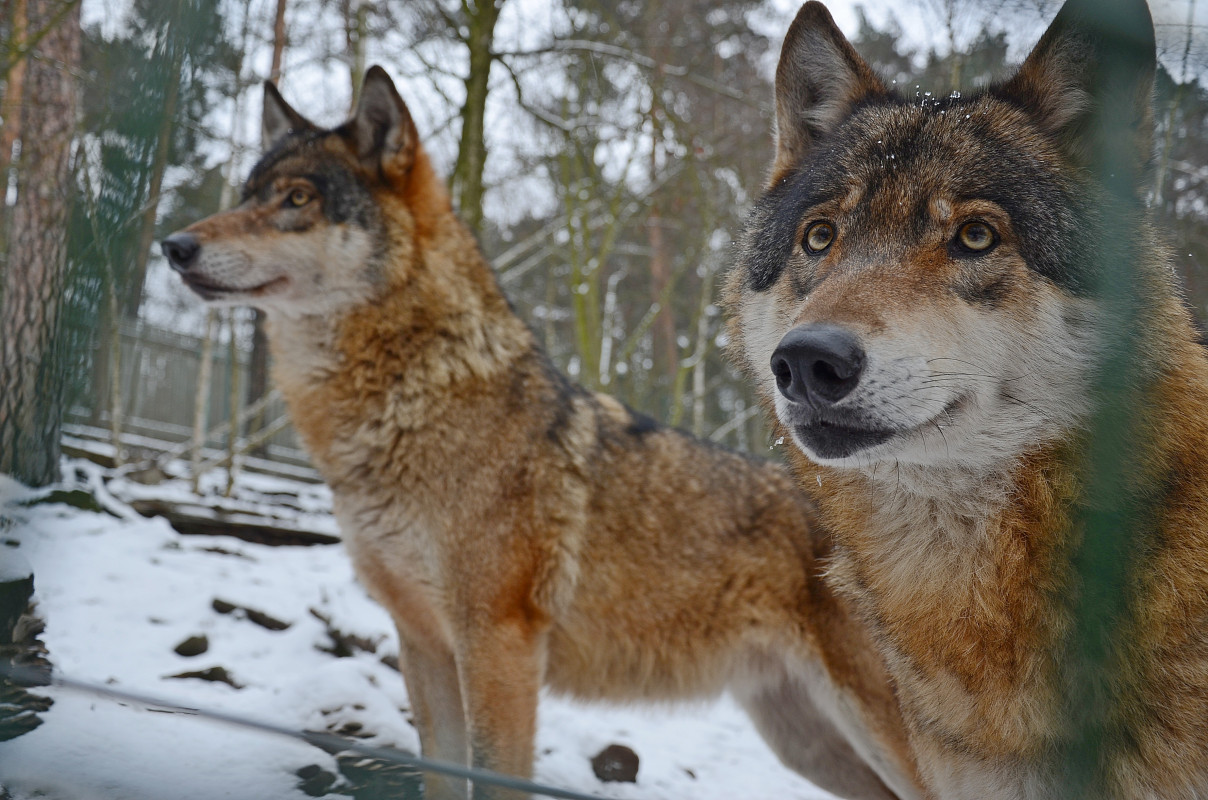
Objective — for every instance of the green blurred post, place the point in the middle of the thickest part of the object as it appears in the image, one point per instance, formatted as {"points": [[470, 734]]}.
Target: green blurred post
{"points": [[1115, 516]]}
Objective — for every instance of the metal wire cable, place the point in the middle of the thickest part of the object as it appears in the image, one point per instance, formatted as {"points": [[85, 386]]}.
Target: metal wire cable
{"points": [[31, 676]]}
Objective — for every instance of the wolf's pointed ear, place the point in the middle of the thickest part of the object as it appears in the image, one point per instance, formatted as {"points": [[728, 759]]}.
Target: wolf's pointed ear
{"points": [[1091, 59], [383, 133], [280, 119], [819, 80]]}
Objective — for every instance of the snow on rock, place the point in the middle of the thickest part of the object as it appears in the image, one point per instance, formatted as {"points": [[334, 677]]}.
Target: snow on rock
{"points": [[14, 567], [120, 594]]}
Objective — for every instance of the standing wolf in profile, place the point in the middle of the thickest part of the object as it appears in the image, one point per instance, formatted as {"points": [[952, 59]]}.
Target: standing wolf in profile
{"points": [[519, 529], [919, 302]]}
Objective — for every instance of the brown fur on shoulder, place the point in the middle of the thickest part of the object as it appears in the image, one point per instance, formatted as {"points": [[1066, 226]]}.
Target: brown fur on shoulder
{"points": [[918, 301], [520, 530]]}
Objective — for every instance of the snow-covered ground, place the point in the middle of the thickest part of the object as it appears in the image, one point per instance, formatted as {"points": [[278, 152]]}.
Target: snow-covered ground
{"points": [[119, 593]]}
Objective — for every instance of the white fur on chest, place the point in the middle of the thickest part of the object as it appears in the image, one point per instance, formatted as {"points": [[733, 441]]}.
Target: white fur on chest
{"points": [[931, 528], [937, 550], [391, 536]]}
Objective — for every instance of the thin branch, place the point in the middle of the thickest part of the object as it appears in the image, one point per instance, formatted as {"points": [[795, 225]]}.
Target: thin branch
{"points": [[218, 430], [245, 446], [541, 115], [734, 423], [625, 54], [431, 67], [509, 265], [450, 22]]}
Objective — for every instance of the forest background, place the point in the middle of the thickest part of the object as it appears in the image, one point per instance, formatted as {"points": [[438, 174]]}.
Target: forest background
{"points": [[604, 152]]}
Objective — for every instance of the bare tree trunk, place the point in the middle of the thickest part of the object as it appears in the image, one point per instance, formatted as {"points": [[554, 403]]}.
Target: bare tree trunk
{"points": [[1159, 182], [225, 199], [274, 72], [257, 378], [10, 110], [665, 351], [466, 181], [693, 365], [233, 435], [586, 264], [958, 58], [30, 387], [666, 356], [116, 420], [201, 399], [107, 366], [698, 377], [356, 35]]}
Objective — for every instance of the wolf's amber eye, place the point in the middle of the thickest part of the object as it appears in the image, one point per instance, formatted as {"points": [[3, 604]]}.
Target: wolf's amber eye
{"points": [[976, 237], [818, 236], [298, 198]]}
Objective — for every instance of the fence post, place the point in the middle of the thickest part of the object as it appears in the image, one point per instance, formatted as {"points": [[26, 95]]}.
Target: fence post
{"points": [[201, 398], [1113, 517], [233, 434]]}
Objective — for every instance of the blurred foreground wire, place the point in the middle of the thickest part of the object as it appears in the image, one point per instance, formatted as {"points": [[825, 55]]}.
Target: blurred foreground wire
{"points": [[331, 743]]}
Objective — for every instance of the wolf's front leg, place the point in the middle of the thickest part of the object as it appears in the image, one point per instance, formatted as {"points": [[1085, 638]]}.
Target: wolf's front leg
{"points": [[439, 716], [501, 676]]}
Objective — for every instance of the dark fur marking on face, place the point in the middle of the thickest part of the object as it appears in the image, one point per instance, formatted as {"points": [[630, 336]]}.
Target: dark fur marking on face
{"points": [[343, 194], [1052, 228], [773, 224], [768, 242], [259, 180], [949, 141], [989, 294]]}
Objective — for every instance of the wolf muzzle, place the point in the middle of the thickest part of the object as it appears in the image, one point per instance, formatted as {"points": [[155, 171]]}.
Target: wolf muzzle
{"points": [[818, 365], [181, 250]]}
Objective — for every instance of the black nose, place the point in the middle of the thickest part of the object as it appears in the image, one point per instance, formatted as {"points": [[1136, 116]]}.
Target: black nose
{"points": [[181, 250], [818, 364]]}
